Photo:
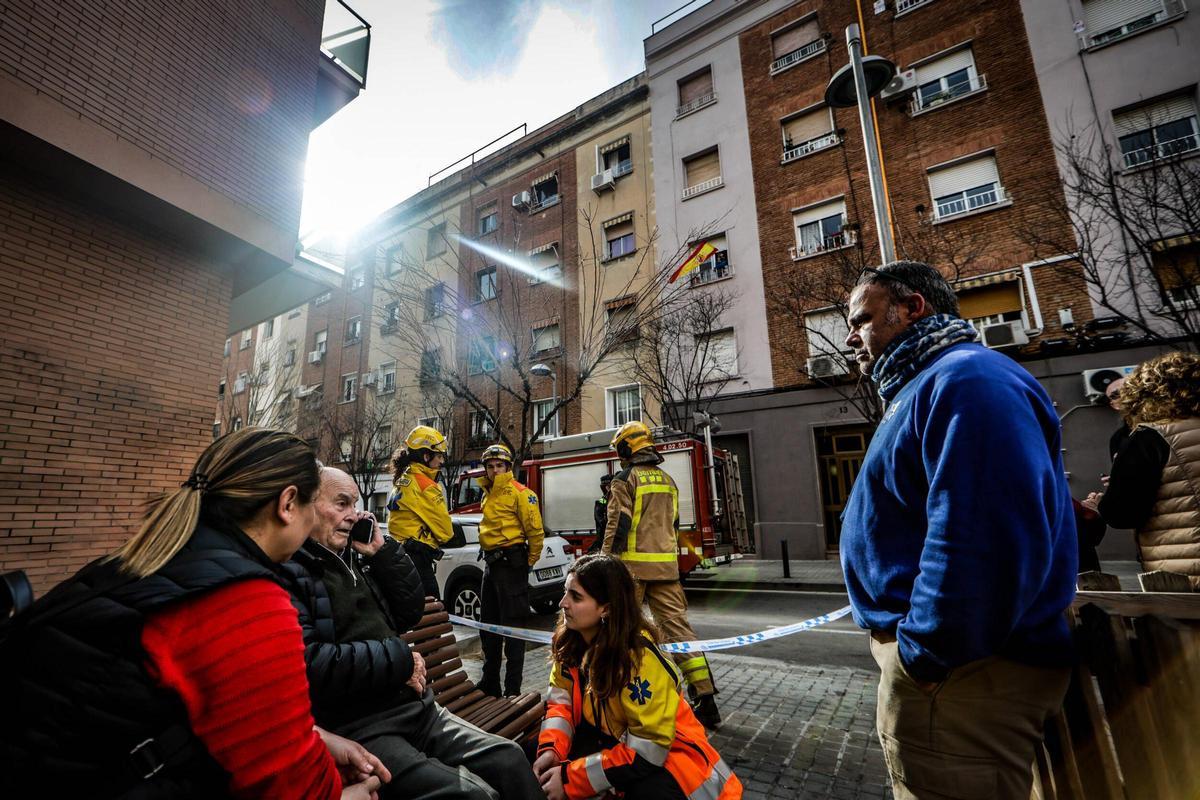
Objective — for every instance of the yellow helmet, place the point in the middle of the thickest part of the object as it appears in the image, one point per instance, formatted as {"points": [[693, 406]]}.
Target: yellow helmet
{"points": [[497, 451], [424, 437], [631, 438]]}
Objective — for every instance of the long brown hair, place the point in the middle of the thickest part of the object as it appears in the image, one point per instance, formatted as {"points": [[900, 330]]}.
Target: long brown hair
{"points": [[234, 478], [617, 646]]}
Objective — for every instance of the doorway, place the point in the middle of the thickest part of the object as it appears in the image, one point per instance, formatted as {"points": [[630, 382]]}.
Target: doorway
{"points": [[840, 453]]}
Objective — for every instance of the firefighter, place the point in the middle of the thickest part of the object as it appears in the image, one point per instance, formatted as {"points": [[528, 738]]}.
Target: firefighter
{"points": [[600, 512], [643, 530], [417, 514], [510, 536]]}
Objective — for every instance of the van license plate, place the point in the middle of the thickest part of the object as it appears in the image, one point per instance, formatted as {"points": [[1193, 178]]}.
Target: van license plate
{"points": [[548, 573]]}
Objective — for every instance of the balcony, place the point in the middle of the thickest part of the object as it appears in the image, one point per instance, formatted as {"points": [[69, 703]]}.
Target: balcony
{"points": [[844, 238], [345, 52], [973, 85], [1160, 150], [904, 6], [702, 187], [695, 105], [971, 200], [1170, 10], [544, 203], [796, 56], [623, 168], [825, 140]]}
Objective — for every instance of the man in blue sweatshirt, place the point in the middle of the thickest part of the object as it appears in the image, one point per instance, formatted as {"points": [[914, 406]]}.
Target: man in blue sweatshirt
{"points": [[958, 544]]}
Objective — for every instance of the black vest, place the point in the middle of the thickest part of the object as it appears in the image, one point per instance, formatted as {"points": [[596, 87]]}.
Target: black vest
{"points": [[77, 698]]}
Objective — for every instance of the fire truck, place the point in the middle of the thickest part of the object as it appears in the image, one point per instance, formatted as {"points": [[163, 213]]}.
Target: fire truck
{"points": [[712, 516]]}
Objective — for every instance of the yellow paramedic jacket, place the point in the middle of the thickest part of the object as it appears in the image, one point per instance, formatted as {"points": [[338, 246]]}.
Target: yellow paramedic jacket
{"points": [[511, 516], [643, 515], [417, 508]]}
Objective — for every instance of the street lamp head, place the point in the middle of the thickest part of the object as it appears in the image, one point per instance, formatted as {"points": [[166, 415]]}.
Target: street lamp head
{"points": [[541, 369], [840, 92]]}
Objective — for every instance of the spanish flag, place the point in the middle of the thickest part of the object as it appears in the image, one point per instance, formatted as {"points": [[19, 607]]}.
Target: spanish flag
{"points": [[701, 254]]}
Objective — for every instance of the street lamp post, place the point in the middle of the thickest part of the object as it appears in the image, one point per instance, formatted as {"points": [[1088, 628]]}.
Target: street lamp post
{"points": [[544, 370], [854, 85]]}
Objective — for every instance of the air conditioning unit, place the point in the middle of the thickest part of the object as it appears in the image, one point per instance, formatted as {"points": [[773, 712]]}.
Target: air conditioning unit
{"points": [[520, 200], [903, 84], [603, 181], [828, 366], [303, 391], [1095, 381], [369, 378], [315, 356], [1005, 334]]}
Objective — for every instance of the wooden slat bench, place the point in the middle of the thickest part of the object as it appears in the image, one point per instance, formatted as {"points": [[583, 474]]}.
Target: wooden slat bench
{"points": [[513, 718]]}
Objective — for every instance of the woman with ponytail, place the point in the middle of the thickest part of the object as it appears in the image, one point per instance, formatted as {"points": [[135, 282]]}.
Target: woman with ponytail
{"points": [[616, 718], [417, 515], [174, 667]]}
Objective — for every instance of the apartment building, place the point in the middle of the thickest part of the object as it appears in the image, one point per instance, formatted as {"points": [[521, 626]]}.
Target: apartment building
{"points": [[150, 190]]}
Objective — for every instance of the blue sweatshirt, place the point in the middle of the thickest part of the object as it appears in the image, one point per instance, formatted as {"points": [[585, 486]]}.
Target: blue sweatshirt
{"points": [[958, 536]]}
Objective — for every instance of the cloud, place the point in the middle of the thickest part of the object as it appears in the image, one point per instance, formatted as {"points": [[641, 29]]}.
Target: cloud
{"points": [[482, 38]]}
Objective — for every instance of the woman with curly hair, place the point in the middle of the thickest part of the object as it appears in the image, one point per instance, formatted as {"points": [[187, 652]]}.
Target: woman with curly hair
{"points": [[616, 718], [1155, 482]]}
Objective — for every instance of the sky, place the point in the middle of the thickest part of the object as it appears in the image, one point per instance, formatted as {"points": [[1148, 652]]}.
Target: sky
{"points": [[447, 76]]}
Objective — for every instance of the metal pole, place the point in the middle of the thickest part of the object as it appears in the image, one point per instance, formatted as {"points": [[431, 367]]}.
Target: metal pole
{"points": [[712, 471], [887, 247], [787, 563], [554, 401]]}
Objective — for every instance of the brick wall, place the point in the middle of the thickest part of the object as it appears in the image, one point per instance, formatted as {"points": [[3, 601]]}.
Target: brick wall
{"points": [[220, 89], [109, 359]]}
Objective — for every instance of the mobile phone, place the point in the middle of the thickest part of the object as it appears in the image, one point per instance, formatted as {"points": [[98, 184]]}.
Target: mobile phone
{"points": [[363, 531]]}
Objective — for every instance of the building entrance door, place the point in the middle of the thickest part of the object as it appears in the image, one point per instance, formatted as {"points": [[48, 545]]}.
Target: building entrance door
{"points": [[840, 453]]}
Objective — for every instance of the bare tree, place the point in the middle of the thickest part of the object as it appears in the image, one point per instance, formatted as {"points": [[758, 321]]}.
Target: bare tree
{"points": [[359, 437], [264, 395]]}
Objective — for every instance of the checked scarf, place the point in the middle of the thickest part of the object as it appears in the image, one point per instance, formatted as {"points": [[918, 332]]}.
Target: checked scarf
{"points": [[911, 351]]}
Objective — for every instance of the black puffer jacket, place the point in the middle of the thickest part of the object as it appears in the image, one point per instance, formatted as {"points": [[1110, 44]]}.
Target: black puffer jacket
{"points": [[350, 680]]}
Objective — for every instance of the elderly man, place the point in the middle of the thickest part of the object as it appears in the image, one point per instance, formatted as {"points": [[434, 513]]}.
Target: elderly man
{"points": [[958, 544], [355, 599]]}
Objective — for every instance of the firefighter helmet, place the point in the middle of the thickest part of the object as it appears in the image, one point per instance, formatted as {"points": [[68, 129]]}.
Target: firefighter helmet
{"points": [[424, 437], [497, 452], [631, 438]]}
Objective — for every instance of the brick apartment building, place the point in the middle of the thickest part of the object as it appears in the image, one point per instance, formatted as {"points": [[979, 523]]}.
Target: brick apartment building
{"points": [[150, 187]]}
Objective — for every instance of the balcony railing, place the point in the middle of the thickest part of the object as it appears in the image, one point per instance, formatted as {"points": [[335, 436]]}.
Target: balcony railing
{"points": [[976, 83], [1170, 8], [697, 104], [346, 39], [909, 5], [623, 168], [702, 187], [798, 55], [837, 241], [545, 202], [1171, 147], [710, 272], [811, 146], [964, 202]]}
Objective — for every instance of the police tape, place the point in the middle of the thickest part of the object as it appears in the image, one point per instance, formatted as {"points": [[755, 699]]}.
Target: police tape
{"points": [[702, 646]]}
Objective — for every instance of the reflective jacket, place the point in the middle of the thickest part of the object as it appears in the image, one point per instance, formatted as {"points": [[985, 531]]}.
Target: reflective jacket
{"points": [[417, 508], [643, 517], [511, 516], [654, 727]]}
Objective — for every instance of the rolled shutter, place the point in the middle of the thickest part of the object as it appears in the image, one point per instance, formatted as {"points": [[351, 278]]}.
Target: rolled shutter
{"points": [[988, 301], [694, 87], [943, 66], [1148, 116], [963, 176], [703, 168], [797, 130], [819, 212], [794, 38], [1104, 15]]}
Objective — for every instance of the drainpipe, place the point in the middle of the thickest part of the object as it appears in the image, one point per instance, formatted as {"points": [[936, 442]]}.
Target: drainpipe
{"points": [[1027, 270]]}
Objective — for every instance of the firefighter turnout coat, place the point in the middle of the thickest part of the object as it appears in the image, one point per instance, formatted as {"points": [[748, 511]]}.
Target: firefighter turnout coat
{"points": [[417, 508], [653, 726], [511, 516], [643, 515]]}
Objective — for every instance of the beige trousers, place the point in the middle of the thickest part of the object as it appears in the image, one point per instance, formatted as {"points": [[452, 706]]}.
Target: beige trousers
{"points": [[668, 609], [972, 736]]}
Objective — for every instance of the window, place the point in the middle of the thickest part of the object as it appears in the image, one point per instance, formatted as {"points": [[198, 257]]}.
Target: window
{"points": [[247, 337], [435, 240], [431, 422], [541, 410], [349, 388], [1177, 268], [965, 186], [221, 388], [320, 341], [268, 329], [990, 301], [235, 424], [431, 367], [353, 330], [618, 237], [481, 428], [358, 279], [1159, 130], [216, 431], [294, 313], [289, 358], [696, 92], [617, 156], [545, 266], [485, 284], [621, 319], [346, 449], [391, 317], [1110, 20], [947, 78], [489, 219], [226, 347], [718, 355], [393, 261], [701, 173], [820, 229], [546, 338], [717, 265], [808, 132], [545, 192], [796, 43], [482, 355], [624, 405], [435, 301], [387, 377], [322, 299], [378, 506], [241, 382], [903, 6], [826, 332]]}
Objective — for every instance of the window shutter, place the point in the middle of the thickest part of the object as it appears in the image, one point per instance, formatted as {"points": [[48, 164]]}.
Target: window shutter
{"points": [[988, 301], [620, 229], [1146, 117], [721, 355], [696, 86], [703, 168], [794, 38], [807, 126], [945, 65], [624, 140], [819, 212], [1104, 15], [967, 175]]}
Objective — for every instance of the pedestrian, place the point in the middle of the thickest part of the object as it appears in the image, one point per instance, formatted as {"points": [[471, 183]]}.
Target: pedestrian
{"points": [[643, 531], [1153, 487], [174, 667], [958, 544], [417, 514], [510, 535], [1112, 395], [616, 719], [355, 601], [600, 512]]}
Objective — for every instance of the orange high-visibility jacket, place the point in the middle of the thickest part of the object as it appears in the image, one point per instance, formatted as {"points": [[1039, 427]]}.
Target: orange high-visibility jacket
{"points": [[654, 727]]}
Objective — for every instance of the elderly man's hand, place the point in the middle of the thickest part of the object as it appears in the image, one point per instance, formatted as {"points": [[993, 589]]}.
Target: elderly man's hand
{"points": [[377, 540], [417, 681]]}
